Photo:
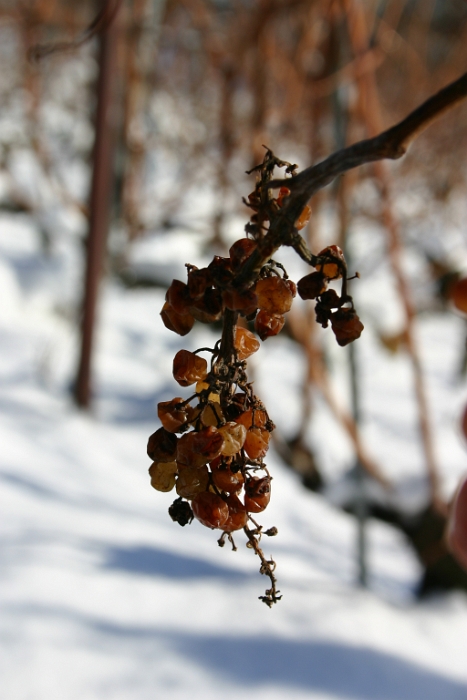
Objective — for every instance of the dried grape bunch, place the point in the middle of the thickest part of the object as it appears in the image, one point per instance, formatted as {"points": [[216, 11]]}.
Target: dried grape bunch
{"points": [[212, 445]]}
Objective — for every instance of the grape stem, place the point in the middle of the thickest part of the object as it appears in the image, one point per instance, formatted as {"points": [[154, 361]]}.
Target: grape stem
{"points": [[271, 595]]}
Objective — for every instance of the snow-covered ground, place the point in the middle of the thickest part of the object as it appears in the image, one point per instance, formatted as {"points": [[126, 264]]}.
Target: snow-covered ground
{"points": [[104, 597]]}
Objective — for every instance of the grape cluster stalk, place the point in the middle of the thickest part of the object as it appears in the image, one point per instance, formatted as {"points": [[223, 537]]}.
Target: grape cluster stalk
{"points": [[211, 446]]}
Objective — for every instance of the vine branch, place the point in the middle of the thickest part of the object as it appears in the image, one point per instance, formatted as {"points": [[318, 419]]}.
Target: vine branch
{"points": [[392, 143]]}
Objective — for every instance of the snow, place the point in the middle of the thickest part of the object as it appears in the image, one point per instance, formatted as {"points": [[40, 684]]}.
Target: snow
{"points": [[104, 597]]}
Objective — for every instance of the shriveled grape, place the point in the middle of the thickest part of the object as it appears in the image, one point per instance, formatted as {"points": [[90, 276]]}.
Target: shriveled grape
{"points": [[241, 251], [274, 295], [189, 368], [238, 516], [268, 324], [257, 443], [192, 480], [332, 268], [257, 493], [163, 475], [250, 418], [225, 479], [178, 297], [172, 414], [346, 325], [234, 435], [312, 285], [245, 343], [162, 446], [178, 323], [210, 509]]}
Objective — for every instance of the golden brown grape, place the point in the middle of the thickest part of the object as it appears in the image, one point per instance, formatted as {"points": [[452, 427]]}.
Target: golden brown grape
{"points": [[172, 414], [274, 295], [192, 480], [163, 475], [189, 368], [246, 343], [210, 509], [234, 435]]}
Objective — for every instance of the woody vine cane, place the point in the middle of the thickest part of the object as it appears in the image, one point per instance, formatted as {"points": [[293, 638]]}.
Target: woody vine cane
{"points": [[211, 446]]}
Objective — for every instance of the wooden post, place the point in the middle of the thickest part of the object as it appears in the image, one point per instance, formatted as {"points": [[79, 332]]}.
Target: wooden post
{"points": [[101, 190]]}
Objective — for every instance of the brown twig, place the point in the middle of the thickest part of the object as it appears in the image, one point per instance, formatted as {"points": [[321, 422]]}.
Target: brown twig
{"points": [[102, 20], [392, 143]]}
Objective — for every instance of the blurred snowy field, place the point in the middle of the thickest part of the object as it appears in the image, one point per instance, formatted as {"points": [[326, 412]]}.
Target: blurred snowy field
{"points": [[103, 597]]}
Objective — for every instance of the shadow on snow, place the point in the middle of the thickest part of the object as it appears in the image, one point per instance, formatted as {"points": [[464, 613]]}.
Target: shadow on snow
{"points": [[334, 668], [151, 561]]}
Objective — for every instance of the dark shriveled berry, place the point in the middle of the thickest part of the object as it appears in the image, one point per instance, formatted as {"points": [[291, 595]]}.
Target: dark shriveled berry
{"points": [[198, 282], [162, 446], [245, 302], [220, 271], [312, 285], [330, 300], [346, 325], [172, 414], [209, 308], [181, 324], [241, 251], [180, 512], [178, 297]]}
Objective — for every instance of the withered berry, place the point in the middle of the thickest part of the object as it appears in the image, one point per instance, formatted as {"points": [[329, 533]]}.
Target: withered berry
{"points": [[163, 475], [268, 325], [172, 414], [274, 295], [178, 297], [198, 448], [252, 418], [257, 493], [178, 323], [245, 302], [330, 300], [234, 435], [192, 480], [220, 271], [189, 368], [209, 307], [225, 479], [241, 251], [180, 512], [312, 285], [346, 326], [238, 516], [198, 282], [245, 343], [162, 446], [335, 265], [304, 218], [210, 509], [257, 443]]}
